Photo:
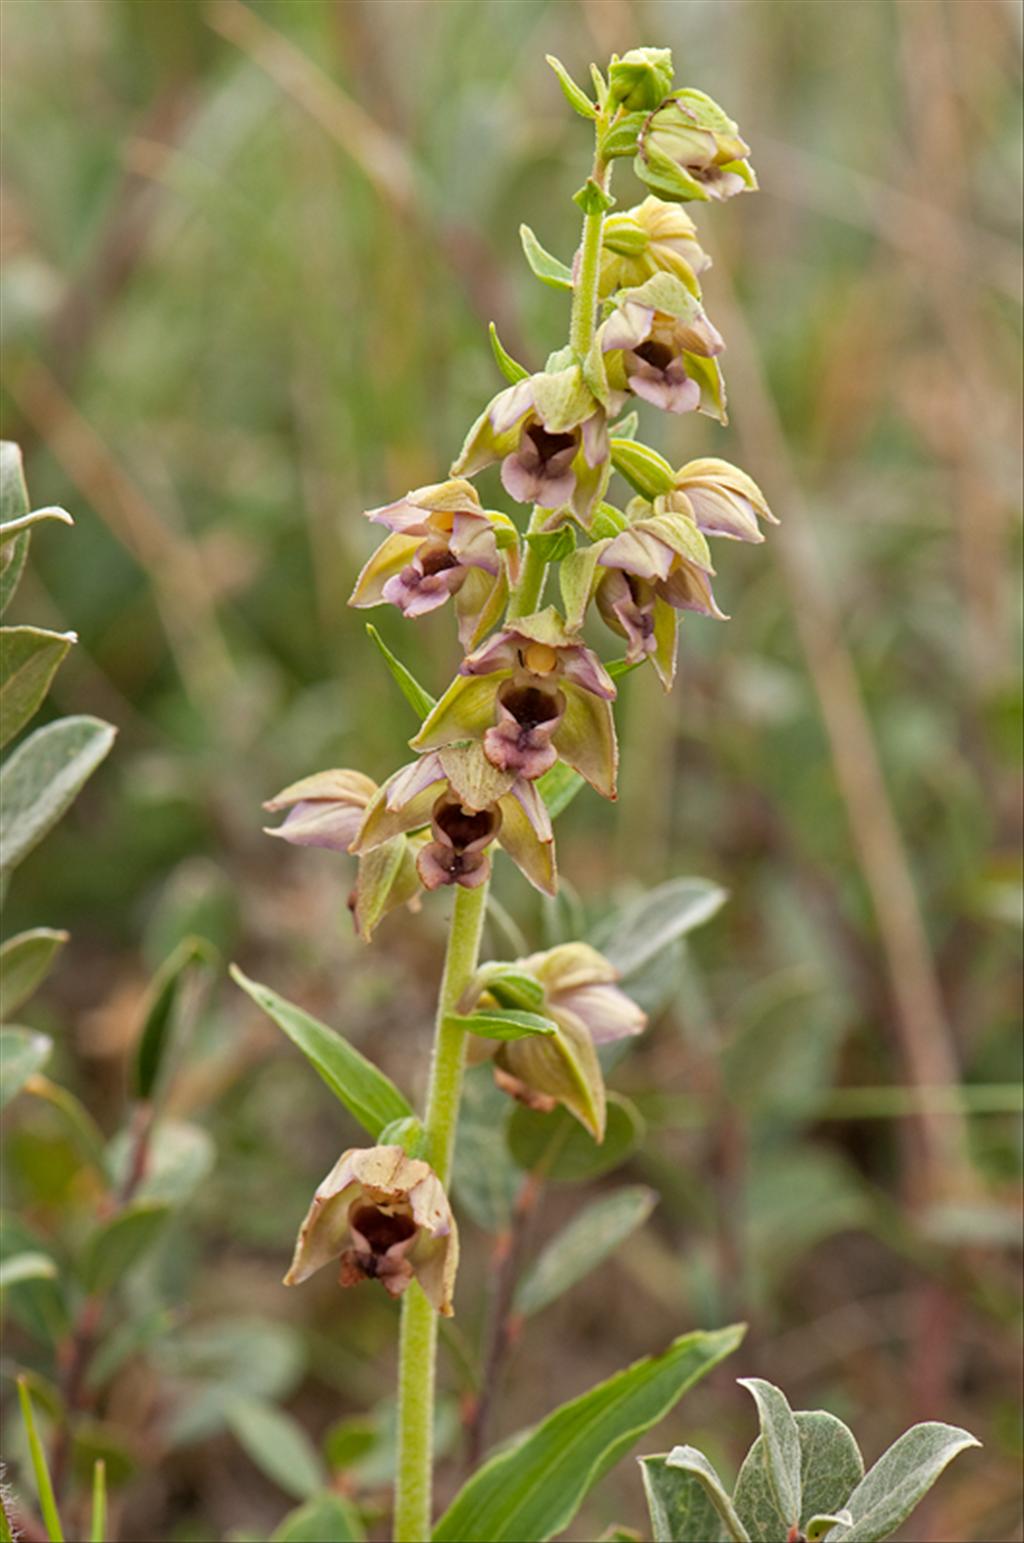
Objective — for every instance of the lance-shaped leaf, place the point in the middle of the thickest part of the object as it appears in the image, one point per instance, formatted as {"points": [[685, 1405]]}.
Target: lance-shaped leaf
{"points": [[13, 557], [44, 1484], [533, 1491], [830, 1467], [325, 1518], [508, 366], [367, 1093], [546, 267], [559, 786], [417, 697], [25, 962], [162, 1010], [278, 1445], [635, 934], [678, 1505], [691, 1461], [15, 514], [582, 1245], [903, 1475], [22, 1053], [115, 1247], [502, 1023], [781, 1451], [577, 99], [29, 657], [98, 1524], [40, 780]]}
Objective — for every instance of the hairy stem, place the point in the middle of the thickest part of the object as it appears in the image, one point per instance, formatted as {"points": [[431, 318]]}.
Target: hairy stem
{"points": [[417, 1354], [584, 295]]}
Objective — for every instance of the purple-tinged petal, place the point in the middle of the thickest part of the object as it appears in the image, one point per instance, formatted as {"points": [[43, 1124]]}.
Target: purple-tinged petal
{"points": [[627, 327], [583, 668], [659, 388], [608, 1013], [689, 589], [413, 779], [319, 823], [511, 405]]}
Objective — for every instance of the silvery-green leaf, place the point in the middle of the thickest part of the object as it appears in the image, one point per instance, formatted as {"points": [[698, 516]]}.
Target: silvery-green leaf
{"points": [[15, 514], [691, 1460], [27, 1266], [278, 1445], [638, 931], [903, 1475], [820, 1526], [25, 962], [532, 1491], [29, 658], [13, 556], [830, 1467], [115, 1247], [583, 1244], [558, 1145], [486, 1179], [40, 780], [679, 1506], [781, 1451], [547, 268], [324, 1518], [22, 1053]]}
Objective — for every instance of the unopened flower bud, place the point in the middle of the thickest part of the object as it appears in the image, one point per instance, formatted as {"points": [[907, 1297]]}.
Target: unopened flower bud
{"points": [[385, 1217], [719, 498], [655, 237], [690, 149], [641, 79]]}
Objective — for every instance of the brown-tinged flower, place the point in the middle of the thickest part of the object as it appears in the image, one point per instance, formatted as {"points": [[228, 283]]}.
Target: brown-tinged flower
{"points": [[443, 543], [662, 348], [654, 568], [533, 693], [386, 1217], [587, 1007], [550, 434], [719, 498], [690, 149], [327, 810], [465, 805], [654, 237]]}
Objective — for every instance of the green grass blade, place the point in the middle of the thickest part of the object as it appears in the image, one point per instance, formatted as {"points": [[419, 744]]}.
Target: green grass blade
{"points": [[98, 1529], [44, 1486]]}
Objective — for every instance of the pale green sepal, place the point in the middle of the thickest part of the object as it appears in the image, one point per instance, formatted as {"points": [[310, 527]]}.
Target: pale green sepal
{"points": [[585, 738], [394, 553], [471, 776], [387, 878], [564, 1067], [546, 267], [512, 371], [536, 858], [690, 1460], [708, 375], [465, 710], [574, 95], [666, 636], [417, 697], [562, 399], [663, 292], [577, 577]]}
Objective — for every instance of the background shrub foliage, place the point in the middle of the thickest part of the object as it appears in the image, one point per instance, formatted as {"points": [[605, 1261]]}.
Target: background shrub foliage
{"points": [[250, 253]]}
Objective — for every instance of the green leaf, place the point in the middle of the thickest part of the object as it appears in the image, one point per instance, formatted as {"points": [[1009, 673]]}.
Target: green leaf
{"points": [[180, 1156], [593, 1234], [486, 1180], [903, 1475], [782, 1453], [640, 930], [592, 198], [830, 1467], [576, 97], [407, 1134], [679, 1506], [13, 557], [40, 780], [547, 268], [22, 1053], [558, 1145], [503, 1023], [820, 1526], [418, 699], [690, 1461], [117, 1246], [511, 986], [98, 1527], [558, 787], [44, 1486], [529, 1493], [25, 962], [366, 1093], [29, 658], [15, 514], [325, 1518], [27, 1266], [277, 1444], [552, 545], [87, 1134], [508, 366], [162, 1010]]}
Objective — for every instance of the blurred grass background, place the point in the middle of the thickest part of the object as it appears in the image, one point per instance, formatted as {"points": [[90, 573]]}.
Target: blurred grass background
{"points": [[250, 251]]}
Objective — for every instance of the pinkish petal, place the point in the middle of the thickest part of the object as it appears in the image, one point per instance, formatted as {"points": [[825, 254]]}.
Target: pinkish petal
{"points": [[627, 327], [608, 1013], [658, 388], [319, 823], [583, 667]]}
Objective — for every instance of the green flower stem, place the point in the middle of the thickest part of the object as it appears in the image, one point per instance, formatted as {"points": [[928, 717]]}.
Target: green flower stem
{"points": [[584, 295], [526, 596], [417, 1353]]}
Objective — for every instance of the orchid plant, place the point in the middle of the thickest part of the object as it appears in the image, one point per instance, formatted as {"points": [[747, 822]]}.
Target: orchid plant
{"points": [[527, 720]]}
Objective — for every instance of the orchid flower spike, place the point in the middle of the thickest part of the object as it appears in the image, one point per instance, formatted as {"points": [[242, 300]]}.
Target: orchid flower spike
{"points": [[534, 694], [385, 1217], [468, 805], [327, 810], [443, 543]]}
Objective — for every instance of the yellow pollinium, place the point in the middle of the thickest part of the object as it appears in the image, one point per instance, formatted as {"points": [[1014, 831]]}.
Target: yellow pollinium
{"points": [[540, 659]]}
